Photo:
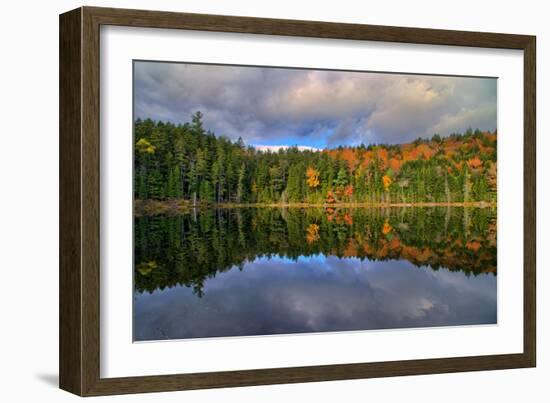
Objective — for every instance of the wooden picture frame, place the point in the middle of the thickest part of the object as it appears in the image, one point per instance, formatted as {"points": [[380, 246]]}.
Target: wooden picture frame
{"points": [[79, 346]]}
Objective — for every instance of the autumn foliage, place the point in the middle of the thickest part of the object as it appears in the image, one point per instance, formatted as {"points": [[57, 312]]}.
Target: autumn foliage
{"points": [[312, 233], [475, 163], [348, 191], [387, 181], [331, 198], [312, 177], [189, 163]]}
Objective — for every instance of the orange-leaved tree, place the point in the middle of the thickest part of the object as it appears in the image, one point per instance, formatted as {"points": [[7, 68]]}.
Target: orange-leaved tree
{"points": [[386, 181], [331, 198], [474, 163], [312, 233], [312, 177], [348, 191]]}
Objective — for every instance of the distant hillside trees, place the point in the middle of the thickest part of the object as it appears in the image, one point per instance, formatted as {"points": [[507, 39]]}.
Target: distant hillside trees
{"points": [[188, 162]]}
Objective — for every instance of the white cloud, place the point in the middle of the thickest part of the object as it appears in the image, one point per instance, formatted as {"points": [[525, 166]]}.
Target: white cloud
{"points": [[274, 149]]}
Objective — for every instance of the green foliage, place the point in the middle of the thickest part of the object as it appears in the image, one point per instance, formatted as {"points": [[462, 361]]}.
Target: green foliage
{"points": [[188, 162]]}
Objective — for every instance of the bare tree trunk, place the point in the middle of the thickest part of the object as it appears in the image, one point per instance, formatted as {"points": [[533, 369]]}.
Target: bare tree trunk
{"points": [[182, 179], [447, 190], [467, 186]]}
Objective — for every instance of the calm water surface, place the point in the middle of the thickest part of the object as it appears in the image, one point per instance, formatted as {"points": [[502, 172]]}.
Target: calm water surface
{"points": [[259, 271]]}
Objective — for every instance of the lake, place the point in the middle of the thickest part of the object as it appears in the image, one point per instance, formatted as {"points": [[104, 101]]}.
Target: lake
{"points": [[260, 271]]}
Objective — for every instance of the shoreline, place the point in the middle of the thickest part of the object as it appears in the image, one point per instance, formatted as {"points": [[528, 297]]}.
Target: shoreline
{"points": [[353, 205], [182, 205]]}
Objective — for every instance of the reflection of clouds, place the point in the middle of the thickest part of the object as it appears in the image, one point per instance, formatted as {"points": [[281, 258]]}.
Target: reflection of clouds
{"points": [[308, 107], [274, 296]]}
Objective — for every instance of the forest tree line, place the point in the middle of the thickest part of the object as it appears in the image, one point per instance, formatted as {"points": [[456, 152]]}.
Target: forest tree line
{"points": [[186, 161]]}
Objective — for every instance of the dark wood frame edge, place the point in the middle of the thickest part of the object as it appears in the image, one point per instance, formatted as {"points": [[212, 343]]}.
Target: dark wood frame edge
{"points": [[79, 360]]}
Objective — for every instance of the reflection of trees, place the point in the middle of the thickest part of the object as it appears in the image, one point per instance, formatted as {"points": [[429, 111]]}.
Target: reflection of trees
{"points": [[188, 249]]}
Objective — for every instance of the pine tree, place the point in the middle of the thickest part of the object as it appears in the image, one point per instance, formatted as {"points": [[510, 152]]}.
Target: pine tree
{"points": [[185, 161], [241, 194]]}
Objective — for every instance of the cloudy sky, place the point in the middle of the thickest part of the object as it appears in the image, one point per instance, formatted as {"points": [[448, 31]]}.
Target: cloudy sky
{"points": [[274, 295], [315, 108]]}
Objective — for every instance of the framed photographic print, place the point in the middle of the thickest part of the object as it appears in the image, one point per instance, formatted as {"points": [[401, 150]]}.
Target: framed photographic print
{"points": [[249, 201]]}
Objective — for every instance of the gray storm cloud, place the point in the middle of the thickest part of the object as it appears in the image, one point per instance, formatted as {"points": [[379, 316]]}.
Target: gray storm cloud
{"points": [[265, 105]]}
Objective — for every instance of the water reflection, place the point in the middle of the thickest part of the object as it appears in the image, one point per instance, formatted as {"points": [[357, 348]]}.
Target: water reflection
{"points": [[239, 272]]}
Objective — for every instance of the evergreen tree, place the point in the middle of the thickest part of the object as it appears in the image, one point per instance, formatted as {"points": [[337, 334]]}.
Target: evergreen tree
{"points": [[187, 162]]}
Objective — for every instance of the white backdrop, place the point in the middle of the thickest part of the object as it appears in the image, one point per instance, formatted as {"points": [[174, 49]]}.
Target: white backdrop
{"points": [[29, 206]]}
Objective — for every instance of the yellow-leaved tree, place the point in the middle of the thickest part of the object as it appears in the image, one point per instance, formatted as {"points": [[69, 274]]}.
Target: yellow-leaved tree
{"points": [[387, 181], [144, 146], [312, 177]]}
